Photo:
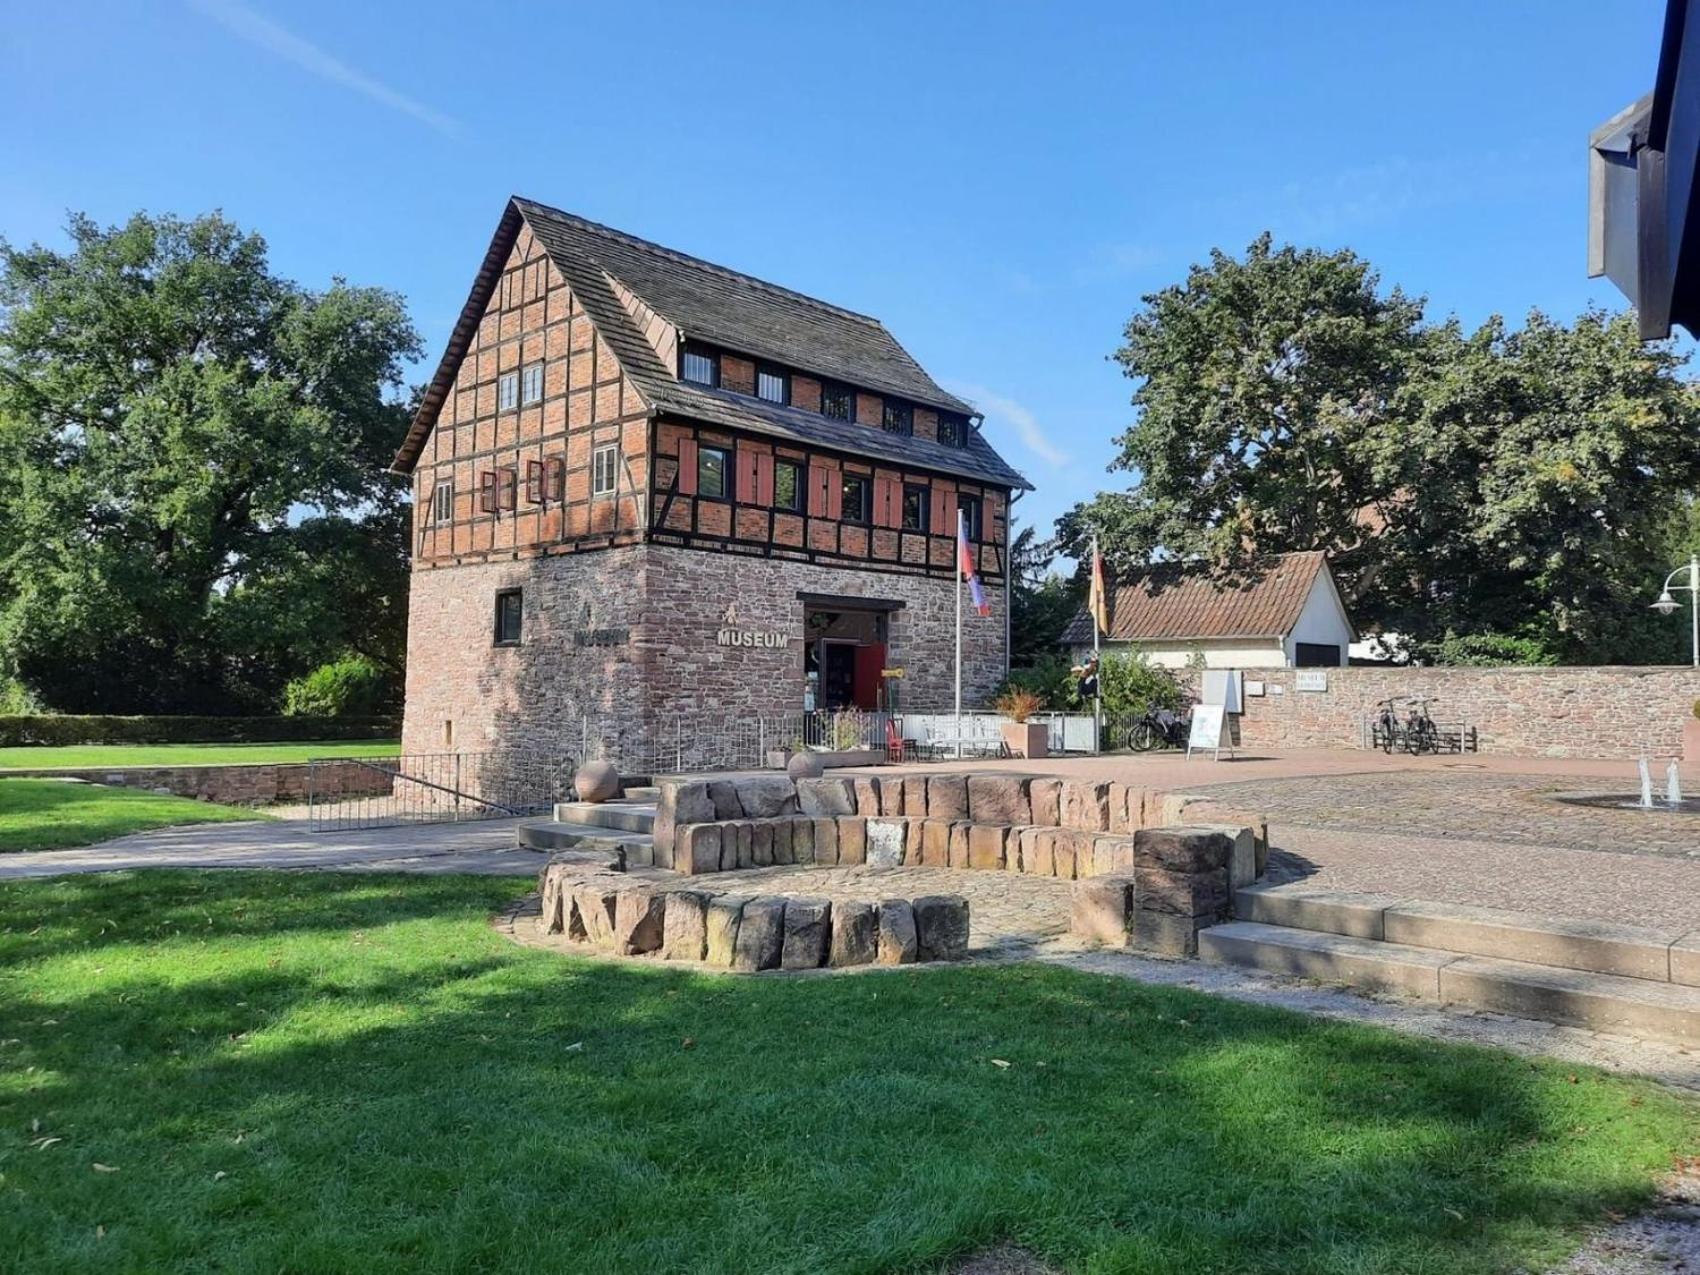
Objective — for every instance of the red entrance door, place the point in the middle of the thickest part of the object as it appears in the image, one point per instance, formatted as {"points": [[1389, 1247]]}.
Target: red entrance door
{"points": [[865, 683]]}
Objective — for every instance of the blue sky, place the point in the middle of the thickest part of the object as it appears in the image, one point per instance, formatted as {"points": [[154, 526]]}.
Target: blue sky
{"points": [[999, 183]]}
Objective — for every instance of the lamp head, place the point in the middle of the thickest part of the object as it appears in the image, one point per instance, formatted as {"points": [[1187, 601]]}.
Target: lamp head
{"points": [[1666, 604]]}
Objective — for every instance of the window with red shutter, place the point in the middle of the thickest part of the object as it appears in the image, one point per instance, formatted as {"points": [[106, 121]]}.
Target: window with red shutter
{"points": [[942, 523], [534, 482], [817, 491], [487, 491], [509, 488], [764, 478], [555, 478]]}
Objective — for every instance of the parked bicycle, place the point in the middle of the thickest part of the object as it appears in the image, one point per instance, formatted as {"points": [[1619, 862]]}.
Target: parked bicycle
{"points": [[1421, 735], [1159, 728], [1415, 733]]}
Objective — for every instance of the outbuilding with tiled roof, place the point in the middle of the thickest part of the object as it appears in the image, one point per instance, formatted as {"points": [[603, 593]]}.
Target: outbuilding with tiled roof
{"points": [[1282, 612]]}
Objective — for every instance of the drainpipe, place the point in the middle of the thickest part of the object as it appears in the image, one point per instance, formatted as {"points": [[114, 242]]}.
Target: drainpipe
{"points": [[1015, 494]]}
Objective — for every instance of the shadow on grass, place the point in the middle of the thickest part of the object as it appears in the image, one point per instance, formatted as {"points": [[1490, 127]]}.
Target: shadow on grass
{"points": [[315, 1073]]}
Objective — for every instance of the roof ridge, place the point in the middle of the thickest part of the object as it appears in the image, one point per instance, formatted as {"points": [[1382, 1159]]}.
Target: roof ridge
{"points": [[674, 254]]}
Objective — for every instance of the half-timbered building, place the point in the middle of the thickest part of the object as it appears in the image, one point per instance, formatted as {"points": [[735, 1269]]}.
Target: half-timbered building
{"points": [[650, 489]]}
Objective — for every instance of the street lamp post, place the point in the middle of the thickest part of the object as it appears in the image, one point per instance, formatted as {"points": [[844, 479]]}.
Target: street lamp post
{"points": [[1666, 604]]}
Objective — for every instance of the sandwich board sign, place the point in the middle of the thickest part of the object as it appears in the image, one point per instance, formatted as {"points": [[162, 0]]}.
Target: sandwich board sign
{"points": [[1206, 731]]}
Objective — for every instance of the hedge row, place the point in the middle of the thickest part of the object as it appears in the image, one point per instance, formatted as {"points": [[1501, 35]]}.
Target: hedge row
{"points": [[18, 732]]}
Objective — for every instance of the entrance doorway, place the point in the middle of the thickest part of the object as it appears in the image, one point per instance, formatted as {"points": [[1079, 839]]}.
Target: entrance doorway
{"points": [[844, 655]]}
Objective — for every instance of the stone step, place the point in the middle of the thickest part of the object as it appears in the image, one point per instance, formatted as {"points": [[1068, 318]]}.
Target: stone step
{"points": [[1598, 947], [642, 792], [1602, 1002], [625, 815], [637, 849]]}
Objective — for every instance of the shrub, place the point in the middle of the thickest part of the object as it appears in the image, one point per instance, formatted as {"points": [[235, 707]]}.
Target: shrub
{"points": [[1697, 708], [1131, 684], [16, 699], [1018, 704], [28, 730], [1049, 679], [1486, 650], [350, 687]]}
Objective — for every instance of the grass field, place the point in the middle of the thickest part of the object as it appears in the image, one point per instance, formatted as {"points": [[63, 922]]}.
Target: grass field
{"points": [[319, 1072], [51, 814], [94, 755]]}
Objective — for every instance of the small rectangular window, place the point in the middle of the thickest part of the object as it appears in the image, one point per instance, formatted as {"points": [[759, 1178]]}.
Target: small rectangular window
{"points": [[443, 501], [953, 430], [899, 418], [857, 491], [534, 482], [837, 402], [701, 367], [915, 501], [507, 391], [487, 492], [555, 478], [604, 467], [788, 486], [531, 383], [773, 385], [713, 466], [508, 490], [510, 611], [970, 507]]}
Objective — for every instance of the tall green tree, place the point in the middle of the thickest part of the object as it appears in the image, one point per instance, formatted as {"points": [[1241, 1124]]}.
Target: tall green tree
{"points": [[193, 498], [1042, 602], [1509, 484]]}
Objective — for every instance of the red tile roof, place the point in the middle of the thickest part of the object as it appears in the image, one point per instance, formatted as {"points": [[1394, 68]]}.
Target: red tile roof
{"points": [[1180, 602]]}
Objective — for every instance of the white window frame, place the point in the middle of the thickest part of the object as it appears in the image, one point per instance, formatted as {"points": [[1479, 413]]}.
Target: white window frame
{"points": [[600, 484], [507, 391], [711, 360], [443, 500], [531, 383], [766, 372]]}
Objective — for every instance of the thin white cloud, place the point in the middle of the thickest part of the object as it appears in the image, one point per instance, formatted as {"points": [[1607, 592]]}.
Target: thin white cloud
{"points": [[1007, 411], [262, 32]]}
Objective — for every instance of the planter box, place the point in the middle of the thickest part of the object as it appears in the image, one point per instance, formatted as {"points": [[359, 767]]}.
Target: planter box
{"points": [[1027, 739], [849, 757]]}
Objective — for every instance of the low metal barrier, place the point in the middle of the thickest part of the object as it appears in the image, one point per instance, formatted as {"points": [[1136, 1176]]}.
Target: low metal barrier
{"points": [[344, 794]]}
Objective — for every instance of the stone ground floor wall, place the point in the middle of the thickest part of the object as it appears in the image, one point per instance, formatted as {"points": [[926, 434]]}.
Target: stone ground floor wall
{"points": [[1619, 711], [632, 640], [251, 785]]}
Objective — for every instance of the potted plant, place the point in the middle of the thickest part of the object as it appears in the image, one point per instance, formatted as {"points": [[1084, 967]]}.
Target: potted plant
{"points": [[1022, 737], [1691, 737]]}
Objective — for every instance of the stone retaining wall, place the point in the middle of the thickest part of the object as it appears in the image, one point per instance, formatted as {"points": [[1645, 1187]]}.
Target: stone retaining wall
{"points": [[236, 785], [1612, 712], [746, 934]]}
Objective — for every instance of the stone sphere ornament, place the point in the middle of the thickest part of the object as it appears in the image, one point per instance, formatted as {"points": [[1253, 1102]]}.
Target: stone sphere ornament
{"points": [[805, 766], [596, 781]]}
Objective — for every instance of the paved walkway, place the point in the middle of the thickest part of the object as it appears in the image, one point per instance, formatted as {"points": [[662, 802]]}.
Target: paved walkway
{"points": [[483, 848]]}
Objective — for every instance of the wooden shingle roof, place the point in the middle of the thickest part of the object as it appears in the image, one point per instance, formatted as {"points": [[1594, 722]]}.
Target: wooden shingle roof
{"points": [[722, 307], [1180, 602]]}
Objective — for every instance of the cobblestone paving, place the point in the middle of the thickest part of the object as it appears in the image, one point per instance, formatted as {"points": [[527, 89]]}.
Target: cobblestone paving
{"points": [[1008, 913], [1515, 809]]}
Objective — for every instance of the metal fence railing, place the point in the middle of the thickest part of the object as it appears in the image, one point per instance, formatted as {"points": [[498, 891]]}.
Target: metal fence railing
{"points": [[689, 743], [423, 788]]}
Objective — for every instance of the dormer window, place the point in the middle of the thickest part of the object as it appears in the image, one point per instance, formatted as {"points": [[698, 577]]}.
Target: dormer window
{"points": [[837, 402], [772, 384], [700, 367], [899, 418], [953, 430]]}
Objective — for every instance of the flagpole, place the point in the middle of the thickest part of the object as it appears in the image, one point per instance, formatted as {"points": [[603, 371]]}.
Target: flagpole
{"points": [[958, 574], [1098, 688]]}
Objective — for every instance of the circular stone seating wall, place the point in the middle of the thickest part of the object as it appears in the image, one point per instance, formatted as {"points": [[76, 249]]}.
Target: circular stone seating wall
{"points": [[606, 910]]}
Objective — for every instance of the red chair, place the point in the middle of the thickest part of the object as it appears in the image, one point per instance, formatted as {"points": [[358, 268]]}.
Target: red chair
{"points": [[897, 748]]}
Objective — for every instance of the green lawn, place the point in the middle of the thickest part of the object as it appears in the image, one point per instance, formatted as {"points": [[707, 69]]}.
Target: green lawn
{"points": [[50, 814], [317, 1072], [93, 755]]}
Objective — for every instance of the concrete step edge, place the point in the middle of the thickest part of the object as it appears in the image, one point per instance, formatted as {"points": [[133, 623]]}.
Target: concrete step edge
{"points": [[1593, 946]]}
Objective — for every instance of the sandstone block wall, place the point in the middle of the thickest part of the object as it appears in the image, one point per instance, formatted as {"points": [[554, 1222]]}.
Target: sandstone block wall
{"points": [[1615, 711]]}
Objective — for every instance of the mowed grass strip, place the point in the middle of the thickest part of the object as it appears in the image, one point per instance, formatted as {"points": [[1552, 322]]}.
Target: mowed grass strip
{"points": [[95, 756], [53, 814], [317, 1072]]}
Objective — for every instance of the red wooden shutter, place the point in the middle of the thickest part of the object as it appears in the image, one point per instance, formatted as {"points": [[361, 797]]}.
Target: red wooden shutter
{"points": [[555, 486], [487, 491], [510, 488], [817, 491], [687, 483], [747, 483], [884, 514], [534, 482], [764, 478], [941, 523], [834, 493]]}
